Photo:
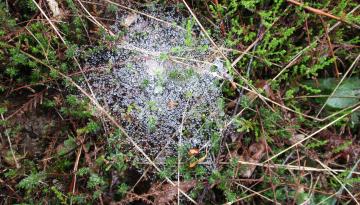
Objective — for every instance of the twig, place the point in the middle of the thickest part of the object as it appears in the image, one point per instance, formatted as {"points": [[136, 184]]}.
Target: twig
{"points": [[37, 40], [331, 49], [324, 96], [293, 167], [31, 104], [179, 150], [249, 54], [75, 169], [256, 193], [51, 23], [52, 79], [246, 51], [245, 197], [93, 19], [148, 168], [144, 14], [10, 145], [259, 36], [64, 42], [338, 180], [320, 12], [339, 192], [313, 134], [312, 190], [296, 57]]}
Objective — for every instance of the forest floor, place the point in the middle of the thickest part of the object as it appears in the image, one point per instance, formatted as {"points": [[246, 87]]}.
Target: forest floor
{"points": [[179, 102]]}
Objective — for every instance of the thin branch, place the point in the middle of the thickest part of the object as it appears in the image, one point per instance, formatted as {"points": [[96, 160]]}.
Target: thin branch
{"points": [[297, 56], [323, 13], [338, 180], [144, 14], [293, 167], [17, 165], [340, 191], [331, 48], [311, 135], [257, 193], [30, 105], [64, 42]]}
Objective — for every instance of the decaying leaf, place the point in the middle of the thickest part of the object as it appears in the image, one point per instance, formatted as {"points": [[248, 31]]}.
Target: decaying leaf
{"points": [[248, 169], [172, 104], [193, 151], [253, 155], [193, 164], [296, 138], [263, 84], [167, 192], [233, 85], [130, 19], [232, 104]]}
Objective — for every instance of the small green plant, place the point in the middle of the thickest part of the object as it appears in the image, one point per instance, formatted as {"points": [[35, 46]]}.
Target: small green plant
{"points": [[342, 147], [145, 83], [152, 123], [59, 195], [32, 181], [317, 144], [152, 105], [96, 183], [68, 145], [122, 189], [112, 8], [164, 57], [243, 125], [91, 127], [188, 37]]}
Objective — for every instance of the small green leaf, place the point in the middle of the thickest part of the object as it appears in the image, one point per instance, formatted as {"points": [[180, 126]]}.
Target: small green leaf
{"points": [[31, 181], [3, 110], [68, 145]]}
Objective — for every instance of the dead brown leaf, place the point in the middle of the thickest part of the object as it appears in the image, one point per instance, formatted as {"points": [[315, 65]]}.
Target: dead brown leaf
{"points": [[167, 192], [264, 84], [253, 155], [231, 105], [193, 151], [172, 104], [233, 86], [193, 164], [130, 19]]}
